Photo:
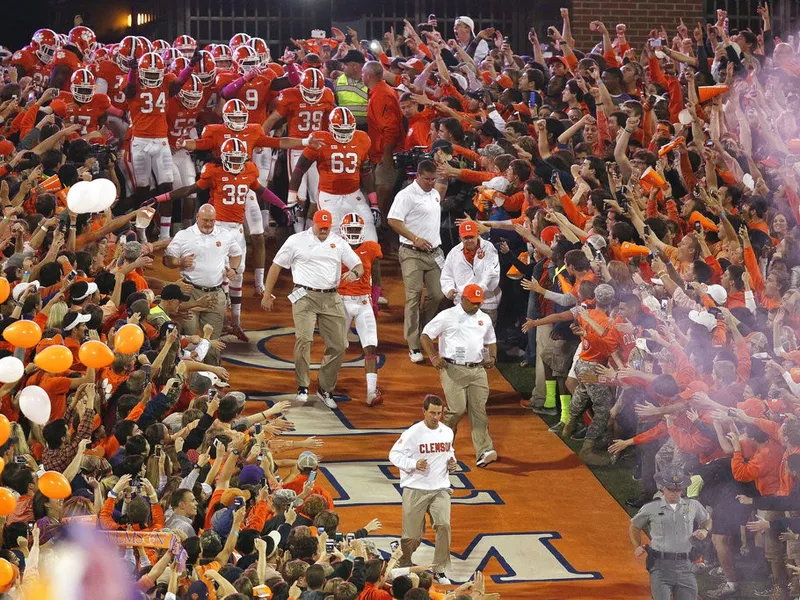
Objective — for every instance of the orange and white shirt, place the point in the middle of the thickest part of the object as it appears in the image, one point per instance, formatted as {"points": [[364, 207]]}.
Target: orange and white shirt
{"points": [[253, 136], [87, 115], [181, 121], [339, 164], [228, 190], [148, 110], [367, 251], [303, 118]]}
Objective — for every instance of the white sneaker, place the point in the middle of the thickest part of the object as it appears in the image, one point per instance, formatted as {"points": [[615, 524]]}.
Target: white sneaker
{"points": [[416, 356], [302, 394], [486, 458], [326, 398], [383, 301], [442, 579]]}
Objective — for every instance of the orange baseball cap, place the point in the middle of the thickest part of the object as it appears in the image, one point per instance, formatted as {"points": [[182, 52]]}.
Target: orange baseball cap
{"points": [[6, 148], [59, 108], [549, 233], [323, 218], [467, 229], [473, 292]]}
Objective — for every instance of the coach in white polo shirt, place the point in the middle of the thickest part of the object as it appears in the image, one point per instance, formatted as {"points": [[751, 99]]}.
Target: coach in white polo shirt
{"points": [[315, 257], [426, 457], [415, 215], [203, 252], [467, 347], [474, 260]]}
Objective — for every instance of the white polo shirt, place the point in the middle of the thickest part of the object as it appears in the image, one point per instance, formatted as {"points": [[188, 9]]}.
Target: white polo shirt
{"points": [[462, 337], [316, 264], [420, 212], [211, 252], [484, 271]]}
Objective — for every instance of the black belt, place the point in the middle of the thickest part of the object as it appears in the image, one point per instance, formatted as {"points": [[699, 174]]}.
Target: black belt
{"points": [[463, 364], [413, 247], [670, 555], [206, 289], [310, 289]]}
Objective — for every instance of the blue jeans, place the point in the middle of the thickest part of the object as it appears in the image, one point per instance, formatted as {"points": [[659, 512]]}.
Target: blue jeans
{"points": [[532, 313]]}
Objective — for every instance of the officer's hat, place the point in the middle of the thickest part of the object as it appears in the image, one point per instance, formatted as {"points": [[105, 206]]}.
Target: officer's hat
{"points": [[673, 477]]}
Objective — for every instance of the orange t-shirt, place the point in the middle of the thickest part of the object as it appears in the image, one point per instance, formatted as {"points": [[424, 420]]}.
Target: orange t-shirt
{"points": [[367, 251], [228, 191], [594, 346], [303, 117], [148, 110], [339, 164]]}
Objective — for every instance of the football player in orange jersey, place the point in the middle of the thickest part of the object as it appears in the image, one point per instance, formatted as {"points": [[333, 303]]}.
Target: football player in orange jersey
{"points": [[147, 91], [254, 85], [230, 182], [182, 112], [344, 170], [77, 52], [36, 59], [357, 299], [234, 116], [85, 105], [306, 109]]}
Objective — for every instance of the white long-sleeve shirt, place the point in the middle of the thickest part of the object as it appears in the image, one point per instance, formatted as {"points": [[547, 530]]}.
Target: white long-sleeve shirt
{"points": [[484, 271], [434, 445]]}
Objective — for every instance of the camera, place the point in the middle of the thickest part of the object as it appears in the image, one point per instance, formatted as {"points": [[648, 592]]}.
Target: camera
{"points": [[104, 153], [408, 160], [257, 428]]}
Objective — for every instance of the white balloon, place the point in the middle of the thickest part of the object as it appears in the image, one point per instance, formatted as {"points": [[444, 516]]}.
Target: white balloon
{"points": [[35, 404], [104, 193], [79, 198], [11, 369]]}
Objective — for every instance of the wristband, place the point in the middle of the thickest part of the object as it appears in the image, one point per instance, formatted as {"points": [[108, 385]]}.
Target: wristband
{"points": [[112, 494], [43, 228], [373, 199], [305, 142]]}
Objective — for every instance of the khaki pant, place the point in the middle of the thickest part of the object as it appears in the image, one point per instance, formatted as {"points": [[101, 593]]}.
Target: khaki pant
{"points": [[543, 343], [467, 390], [328, 309], [215, 317], [436, 503], [420, 271]]}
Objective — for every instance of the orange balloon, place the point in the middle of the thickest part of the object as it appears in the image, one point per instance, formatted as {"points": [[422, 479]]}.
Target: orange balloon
{"points": [[5, 429], [5, 289], [54, 485], [6, 572], [23, 334], [95, 354], [54, 359], [7, 502], [128, 339]]}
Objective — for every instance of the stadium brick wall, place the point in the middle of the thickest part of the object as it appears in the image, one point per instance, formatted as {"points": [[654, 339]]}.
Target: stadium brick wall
{"points": [[639, 16]]}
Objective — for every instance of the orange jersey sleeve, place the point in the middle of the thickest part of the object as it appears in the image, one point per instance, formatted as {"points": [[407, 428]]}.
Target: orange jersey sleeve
{"points": [[148, 110], [368, 251], [339, 164], [228, 191]]}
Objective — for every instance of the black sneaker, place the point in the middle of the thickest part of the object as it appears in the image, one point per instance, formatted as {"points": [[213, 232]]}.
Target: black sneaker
{"points": [[579, 434], [635, 503], [302, 394]]}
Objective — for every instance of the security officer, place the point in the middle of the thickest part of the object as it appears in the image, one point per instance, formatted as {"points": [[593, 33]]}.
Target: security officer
{"points": [[671, 526], [467, 347], [350, 90]]}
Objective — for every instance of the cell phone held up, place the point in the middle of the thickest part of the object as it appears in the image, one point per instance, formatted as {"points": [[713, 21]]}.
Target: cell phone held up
{"points": [[312, 477]]}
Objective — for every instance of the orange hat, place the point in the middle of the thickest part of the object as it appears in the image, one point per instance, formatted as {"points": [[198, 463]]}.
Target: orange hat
{"points": [[473, 292], [753, 407], [6, 148], [630, 250], [549, 233], [504, 81], [513, 272], [323, 218], [468, 229], [693, 388], [705, 222], [229, 495], [59, 108]]}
